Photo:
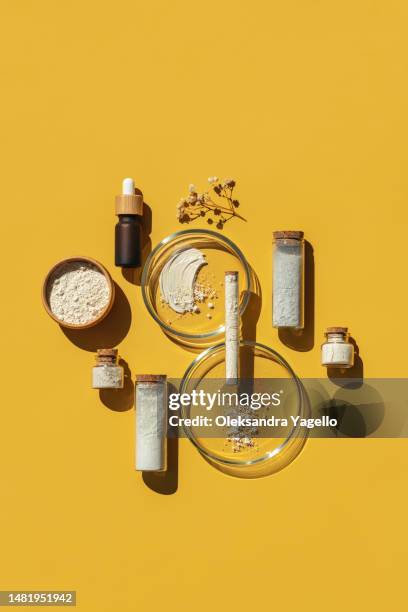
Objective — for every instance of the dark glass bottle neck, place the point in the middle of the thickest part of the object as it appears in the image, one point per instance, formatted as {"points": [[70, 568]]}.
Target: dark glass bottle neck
{"points": [[128, 218]]}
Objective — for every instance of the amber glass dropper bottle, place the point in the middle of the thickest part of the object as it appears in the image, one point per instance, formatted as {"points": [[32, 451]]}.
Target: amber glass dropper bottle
{"points": [[128, 230]]}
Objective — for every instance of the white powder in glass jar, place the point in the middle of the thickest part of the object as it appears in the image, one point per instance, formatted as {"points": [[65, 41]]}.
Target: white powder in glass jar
{"points": [[231, 327], [337, 354], [151, 425], [107, 377], [78, 292], [287, 287]]}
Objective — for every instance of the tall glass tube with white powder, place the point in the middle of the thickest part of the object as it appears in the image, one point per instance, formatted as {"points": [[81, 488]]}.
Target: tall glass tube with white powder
{"points": [[231, 327], [151, 422], [288, 279]]}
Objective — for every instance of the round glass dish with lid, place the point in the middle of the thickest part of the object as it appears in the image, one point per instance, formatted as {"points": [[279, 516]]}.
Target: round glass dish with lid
{"points": [[261, 370], [205, 325]]}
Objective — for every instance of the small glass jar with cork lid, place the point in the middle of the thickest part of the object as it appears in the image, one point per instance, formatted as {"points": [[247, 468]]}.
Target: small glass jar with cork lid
{"points": [[107, 373], [337, 351], [288, 279]]}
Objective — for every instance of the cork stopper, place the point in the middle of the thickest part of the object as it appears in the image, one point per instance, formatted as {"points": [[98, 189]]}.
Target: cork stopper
{"points": [[233, 273], [337, 330], [108, 355], [129, 204], [293, 234], [154, 378]]}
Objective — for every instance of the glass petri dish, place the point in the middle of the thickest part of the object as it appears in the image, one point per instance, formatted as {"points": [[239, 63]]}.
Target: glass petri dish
{"points": [[207, 325], [260, 368]]}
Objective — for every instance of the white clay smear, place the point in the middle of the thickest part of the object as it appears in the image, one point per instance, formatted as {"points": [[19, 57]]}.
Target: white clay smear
{"points": [[178, 278]]}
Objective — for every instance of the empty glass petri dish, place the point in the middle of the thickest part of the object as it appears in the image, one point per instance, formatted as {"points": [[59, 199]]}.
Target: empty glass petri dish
{"points": [[261, 370], [206, 325]]}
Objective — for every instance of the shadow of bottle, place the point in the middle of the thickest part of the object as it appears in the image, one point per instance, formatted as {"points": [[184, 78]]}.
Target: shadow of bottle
{"points": [[249, 322], [359, 412], [362, 416], [134, 275], [109, 332], [166, 483], [303, 339], [119, 400]]}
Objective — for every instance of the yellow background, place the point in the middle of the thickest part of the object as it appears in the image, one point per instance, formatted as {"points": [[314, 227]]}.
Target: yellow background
{"points": [[304, 103]]}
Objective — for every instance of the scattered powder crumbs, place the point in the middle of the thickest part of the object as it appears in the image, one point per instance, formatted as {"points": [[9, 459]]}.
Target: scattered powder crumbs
{"points": [[78, 292], [203, 291], [239, 444], [241, 437]]}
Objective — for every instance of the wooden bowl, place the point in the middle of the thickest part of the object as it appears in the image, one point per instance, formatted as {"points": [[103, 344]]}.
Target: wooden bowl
{"points": [[102, 314]]}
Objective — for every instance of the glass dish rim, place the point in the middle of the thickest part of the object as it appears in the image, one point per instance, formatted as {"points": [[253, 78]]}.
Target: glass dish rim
{"points": [[269, 455], [165, 241]]}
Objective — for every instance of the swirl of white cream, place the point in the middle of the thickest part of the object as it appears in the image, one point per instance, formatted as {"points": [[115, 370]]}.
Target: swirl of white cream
{"points": [[178, 277]]}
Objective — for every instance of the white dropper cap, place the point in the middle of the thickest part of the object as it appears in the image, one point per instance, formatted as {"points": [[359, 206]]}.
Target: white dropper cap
{"points": [[128, 186], [130, 201]]}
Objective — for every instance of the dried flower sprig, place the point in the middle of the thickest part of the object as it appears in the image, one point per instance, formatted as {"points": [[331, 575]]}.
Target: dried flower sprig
{"points": [[209, 203]]}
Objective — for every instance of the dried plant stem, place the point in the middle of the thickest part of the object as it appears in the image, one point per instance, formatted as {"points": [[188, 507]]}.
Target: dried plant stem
{"points": [[227, 210], [197, 205]]}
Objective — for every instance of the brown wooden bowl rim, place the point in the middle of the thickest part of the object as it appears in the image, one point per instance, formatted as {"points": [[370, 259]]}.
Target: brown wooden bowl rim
{"points": [[104, 312]]}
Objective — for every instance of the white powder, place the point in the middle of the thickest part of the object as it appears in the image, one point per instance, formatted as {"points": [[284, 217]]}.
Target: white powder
{"points": [[178, 280], [78, 292], [337, 354], [287, 287], [151, 426], [241, 437], [107, 377], [231, 327]]}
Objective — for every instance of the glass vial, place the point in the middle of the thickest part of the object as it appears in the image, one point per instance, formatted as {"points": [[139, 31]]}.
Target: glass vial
{"points": [[128, 230], [151, 422], [107, 373], [232, 330], [288, 279], [337, 351]]}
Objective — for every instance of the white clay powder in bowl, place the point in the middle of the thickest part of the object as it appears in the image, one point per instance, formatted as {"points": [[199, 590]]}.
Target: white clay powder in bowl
{"points": [[78, 293]]}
